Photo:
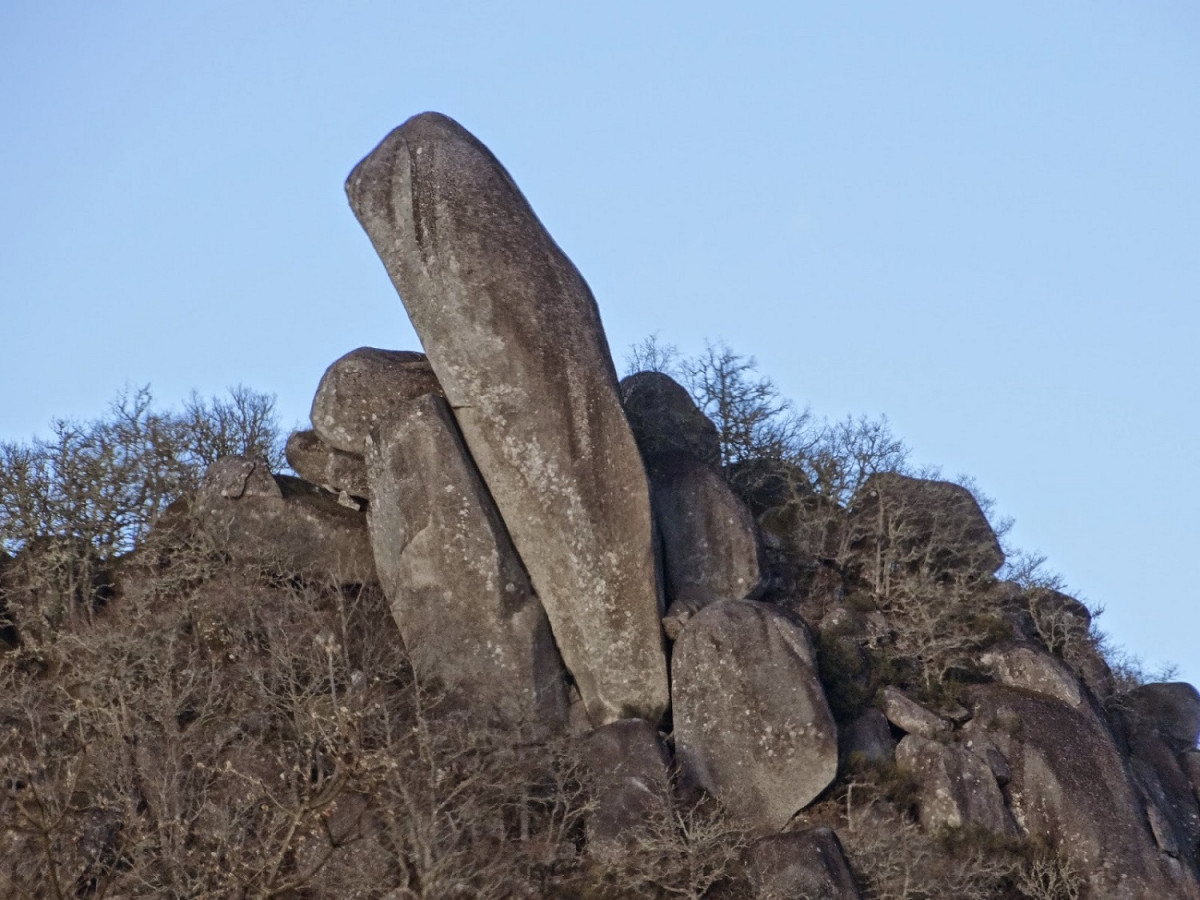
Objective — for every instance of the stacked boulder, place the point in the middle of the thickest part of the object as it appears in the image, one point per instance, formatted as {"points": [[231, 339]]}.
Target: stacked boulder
{"points": [[564, 552], [602, 505], [514, 336]]}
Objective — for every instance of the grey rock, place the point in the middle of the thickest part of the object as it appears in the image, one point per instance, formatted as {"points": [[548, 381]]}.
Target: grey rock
{"points": [[752, 726], [464, 605], [1189, 761], [1171, 805], [958, 789], [666, 421], [1070, 787], [631, 771], [515, 338], [914, 525], [910, 716], [1028, 667], [314, 460], [282, 522], [809, 864], [709, 541], [1171, 709], [361, 389], [237, 478], [976, 740], [867, 738]]}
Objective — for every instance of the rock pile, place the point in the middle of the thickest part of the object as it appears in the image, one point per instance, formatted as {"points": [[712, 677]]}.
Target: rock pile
{"points": [[543, 533]]}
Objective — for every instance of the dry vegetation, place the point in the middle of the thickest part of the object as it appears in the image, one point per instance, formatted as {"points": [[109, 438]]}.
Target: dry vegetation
{"points": [[175, 725]]}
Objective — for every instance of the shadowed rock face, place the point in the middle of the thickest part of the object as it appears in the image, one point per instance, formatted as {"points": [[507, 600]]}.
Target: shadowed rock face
{"points": [[666, 421], [1172, 709], [632, 772], [918, 525], [752, 726], [314, 460], [463, 603], [1071, 786], [958, 788], [709, 540], [514, 335], [283, 521], [809, 863]]}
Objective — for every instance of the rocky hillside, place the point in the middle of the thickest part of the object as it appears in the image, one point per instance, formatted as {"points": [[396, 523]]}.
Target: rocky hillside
{"points": [[518, 629]]}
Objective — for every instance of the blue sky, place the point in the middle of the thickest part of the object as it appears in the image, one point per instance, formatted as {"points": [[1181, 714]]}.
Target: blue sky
{"points": [[982, 220]]}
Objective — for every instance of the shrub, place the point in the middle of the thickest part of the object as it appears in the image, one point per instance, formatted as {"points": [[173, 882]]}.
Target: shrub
{"points": [[105, 482]]}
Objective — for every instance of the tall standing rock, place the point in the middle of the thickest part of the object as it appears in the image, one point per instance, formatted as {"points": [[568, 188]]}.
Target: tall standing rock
{"points": [[463, 603], [514, 335]]}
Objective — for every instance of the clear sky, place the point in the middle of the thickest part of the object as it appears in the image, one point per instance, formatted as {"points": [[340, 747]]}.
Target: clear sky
{"points": [[982, 220]]}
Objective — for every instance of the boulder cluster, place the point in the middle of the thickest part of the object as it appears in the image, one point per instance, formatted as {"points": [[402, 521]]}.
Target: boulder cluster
{"points": [[564, 552]]}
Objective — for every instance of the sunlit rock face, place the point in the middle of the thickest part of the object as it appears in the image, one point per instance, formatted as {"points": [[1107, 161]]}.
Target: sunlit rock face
{"points": [[514, 336], [752, 725], [362, 389]]}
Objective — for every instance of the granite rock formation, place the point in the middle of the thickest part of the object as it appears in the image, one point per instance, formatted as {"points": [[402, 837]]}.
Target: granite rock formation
{"points": [[362, 389], [463, 602], [282, 522], [752, 725], [514, 335], [887, 716], [666, 421], [709, 540]]}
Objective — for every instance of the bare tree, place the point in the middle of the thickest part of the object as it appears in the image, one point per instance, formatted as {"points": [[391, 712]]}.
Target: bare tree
{"points": [[106, 481]]}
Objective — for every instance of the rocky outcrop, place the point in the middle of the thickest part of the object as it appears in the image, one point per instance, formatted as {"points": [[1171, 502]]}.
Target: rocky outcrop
{"points": [[809, 526], [1171, 805], [1172, 710], [914, 525], [752, 725], [709, 542], [464, 605], [1162, 723], [958, 789], [910, 716], [515, 338], [362, 389], [1029, 667], [1070, 787], [314, 460], [666, 421], [282, 522]]}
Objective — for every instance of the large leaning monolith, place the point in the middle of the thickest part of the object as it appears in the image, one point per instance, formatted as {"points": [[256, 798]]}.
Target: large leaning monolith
{"points": [[514, 336]]}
